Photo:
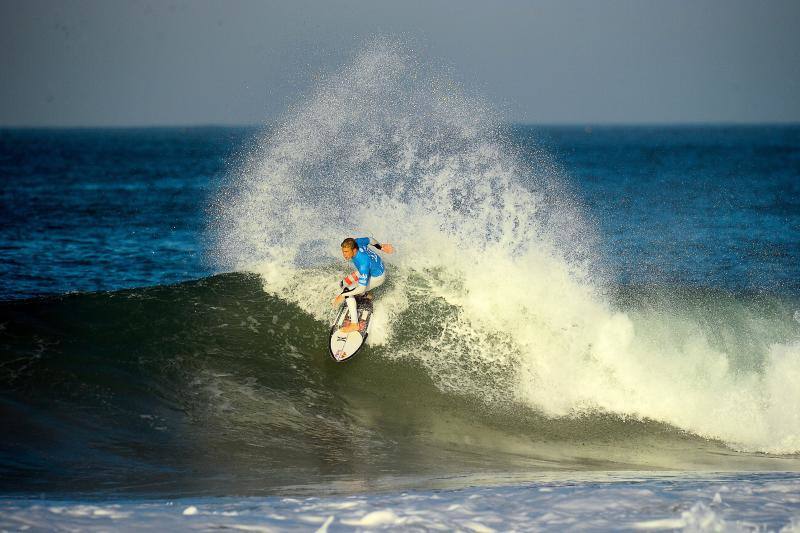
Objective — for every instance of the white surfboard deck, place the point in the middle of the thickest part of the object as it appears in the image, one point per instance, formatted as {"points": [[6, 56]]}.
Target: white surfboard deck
{"points": [[344, 346]]}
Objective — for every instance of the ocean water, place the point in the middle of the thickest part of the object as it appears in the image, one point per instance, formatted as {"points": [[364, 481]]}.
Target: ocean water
{"points": [[591, 328]]}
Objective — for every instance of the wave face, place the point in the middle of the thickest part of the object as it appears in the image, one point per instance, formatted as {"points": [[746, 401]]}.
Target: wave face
{"points": [[212, 387], [502, 343], [498, 290]]}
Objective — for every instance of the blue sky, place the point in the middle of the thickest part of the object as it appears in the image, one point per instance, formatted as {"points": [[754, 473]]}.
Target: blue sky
{"points": [[112, 63]]}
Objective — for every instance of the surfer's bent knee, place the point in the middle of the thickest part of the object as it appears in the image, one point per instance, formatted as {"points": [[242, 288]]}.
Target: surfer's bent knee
{"points": [[376, 281]]}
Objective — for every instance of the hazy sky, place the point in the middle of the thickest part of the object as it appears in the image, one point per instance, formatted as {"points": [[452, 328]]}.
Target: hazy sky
{"points": [[242, 62]]}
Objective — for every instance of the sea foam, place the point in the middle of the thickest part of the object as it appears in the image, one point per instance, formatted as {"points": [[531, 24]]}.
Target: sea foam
{"points": [[498, 287]]}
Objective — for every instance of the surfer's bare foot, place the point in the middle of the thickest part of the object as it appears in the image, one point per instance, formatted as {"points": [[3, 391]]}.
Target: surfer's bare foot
{"points": [[350, 328]]}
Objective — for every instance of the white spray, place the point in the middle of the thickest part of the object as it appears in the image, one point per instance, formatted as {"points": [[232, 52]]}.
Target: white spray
{"points": [[493, 279]]}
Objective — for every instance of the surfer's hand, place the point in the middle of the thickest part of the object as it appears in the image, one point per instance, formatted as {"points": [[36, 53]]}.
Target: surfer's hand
{"points": [[388, 248], [338, 300]]}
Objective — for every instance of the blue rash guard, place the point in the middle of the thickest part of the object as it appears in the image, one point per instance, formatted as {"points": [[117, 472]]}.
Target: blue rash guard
{"points": [[367, 261]]}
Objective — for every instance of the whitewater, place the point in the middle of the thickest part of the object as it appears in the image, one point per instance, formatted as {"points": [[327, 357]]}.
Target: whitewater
{"points": [[500, 285]]}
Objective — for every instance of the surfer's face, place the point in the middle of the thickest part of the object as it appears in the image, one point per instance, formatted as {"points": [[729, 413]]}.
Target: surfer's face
{"points": [[348, 253]]}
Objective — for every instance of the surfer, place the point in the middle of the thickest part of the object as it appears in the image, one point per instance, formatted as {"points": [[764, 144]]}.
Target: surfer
{"points": [[371, 273]]}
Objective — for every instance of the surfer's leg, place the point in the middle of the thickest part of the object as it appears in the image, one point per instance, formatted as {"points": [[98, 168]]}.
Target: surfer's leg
{"points": [[376, 281], [351, 308]]}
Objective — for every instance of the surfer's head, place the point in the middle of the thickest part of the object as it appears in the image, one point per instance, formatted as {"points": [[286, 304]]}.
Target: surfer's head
{"points": [[349, 248]]}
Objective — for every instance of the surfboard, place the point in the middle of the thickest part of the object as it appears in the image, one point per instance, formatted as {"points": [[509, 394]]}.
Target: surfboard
{"points": [[344, 346]]}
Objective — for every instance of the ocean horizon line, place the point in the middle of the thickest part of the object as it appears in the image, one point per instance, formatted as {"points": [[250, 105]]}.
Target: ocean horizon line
{"points": [[571, 125]]}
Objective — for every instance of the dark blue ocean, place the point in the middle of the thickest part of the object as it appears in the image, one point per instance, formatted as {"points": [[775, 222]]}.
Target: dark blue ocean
{"points": [[98, 210], [147, 378]]}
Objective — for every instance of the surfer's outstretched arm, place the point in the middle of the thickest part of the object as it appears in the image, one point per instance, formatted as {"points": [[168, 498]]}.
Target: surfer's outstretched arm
{"points": [[383, 247]]}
